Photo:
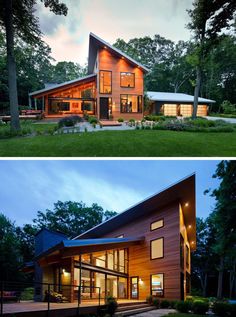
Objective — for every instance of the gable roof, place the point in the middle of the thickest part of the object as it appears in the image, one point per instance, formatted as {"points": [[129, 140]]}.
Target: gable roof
{"points": [[182, 192], [56, 86], [174, 97], [96, 42]]}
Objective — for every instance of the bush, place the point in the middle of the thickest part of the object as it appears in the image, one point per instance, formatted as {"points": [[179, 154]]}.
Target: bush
{"points": [[228, 107], [85, 115], [173, 304], [158, 118], [165, 303], [112, 305], [232, 312], [149, 299], [156, 302], [221, 309], [92, 120], [120, 120], [132, 120], [183, 306], [69, 121], [200, 307]]}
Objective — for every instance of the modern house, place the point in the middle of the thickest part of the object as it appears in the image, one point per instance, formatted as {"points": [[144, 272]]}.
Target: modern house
{"points": [[144, 250], [114, 86], [176, 104]]}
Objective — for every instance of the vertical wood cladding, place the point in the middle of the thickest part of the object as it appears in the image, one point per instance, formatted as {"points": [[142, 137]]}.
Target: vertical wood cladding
{"points": [[140, 263], [107, 61]]}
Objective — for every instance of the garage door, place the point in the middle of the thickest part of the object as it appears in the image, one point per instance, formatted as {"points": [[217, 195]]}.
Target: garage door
{"points": [[186, 110], [202, 110], [170, 110]]}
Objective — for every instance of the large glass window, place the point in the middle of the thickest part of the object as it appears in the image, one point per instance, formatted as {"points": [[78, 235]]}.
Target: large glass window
{"points": [[112, 285], [122, 287], [105, 82], [127, 80], [134, 287], [157, 248], [131, 103], [157, 285]]}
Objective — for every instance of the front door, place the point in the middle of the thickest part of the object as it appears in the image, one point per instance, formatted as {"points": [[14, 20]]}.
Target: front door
{"points": [[104, 108], [134, 291]]}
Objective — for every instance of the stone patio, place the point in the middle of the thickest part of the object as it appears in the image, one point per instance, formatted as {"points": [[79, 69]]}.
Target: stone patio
{"points": [[156, 313]]}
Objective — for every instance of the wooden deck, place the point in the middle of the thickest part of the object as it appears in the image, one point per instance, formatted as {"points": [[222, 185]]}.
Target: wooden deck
{"points": [[39, 309]]}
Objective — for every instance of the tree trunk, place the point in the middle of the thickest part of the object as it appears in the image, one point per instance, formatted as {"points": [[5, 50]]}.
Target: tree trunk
{"points": [[220, 278], [196, 91], [11, 66], [232, 281], [205, 285]]}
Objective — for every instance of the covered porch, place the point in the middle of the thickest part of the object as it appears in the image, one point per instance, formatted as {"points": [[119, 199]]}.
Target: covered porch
{"points": [[75, 97]]}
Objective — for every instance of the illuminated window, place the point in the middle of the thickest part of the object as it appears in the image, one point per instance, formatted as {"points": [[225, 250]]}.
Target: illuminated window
{"points": [[131, 103], [127, 80], [105, 82], [157, 224], [157, 248], [157, 285]]}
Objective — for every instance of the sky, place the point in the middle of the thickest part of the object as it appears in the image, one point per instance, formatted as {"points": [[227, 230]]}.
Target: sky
{"points": [[110, 19], [29, 186]]}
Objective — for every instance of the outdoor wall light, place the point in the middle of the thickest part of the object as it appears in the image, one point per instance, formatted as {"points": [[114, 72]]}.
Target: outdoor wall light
{"points": [[186, 204], [140, 281], [189, 226]]}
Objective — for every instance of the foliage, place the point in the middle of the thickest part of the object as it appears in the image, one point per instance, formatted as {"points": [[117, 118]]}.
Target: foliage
{"points": [[228, 107], [156, 302], [27, 294], [71, 218], [120, 120], [164, 303], [200, 307], [149, 299], [69, 121], [111, 305], [221, 309], [92, 120], [183, 306]]}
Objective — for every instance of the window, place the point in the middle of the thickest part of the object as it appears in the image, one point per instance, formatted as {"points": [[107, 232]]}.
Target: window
{"points": [[105, 82], [120, 236], [187, 256], [131, 103], [127, 80], [157, 285], [157, 224], [157, 248], [134, 287]]}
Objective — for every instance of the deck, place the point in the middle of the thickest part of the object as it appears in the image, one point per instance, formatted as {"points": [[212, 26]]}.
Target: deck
{"points": [[40, 309]]}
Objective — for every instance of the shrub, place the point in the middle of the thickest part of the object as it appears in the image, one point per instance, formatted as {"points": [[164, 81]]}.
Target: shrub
{"points": [[173, 304], [85, 115], [156, 302], [200, 307], [120, 120], [165, 303], [157, 118], [92, 120], [183, 306], [132, 120], [221, 309], [111, 304], [228, 107], [149, 299], [232, 312], [69, 121]]}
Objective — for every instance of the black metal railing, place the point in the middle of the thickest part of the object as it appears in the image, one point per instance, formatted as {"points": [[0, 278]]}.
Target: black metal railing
{"points": [[47, 293]]}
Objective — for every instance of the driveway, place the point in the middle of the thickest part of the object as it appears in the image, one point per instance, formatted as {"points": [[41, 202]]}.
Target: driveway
{"points": [[230, 120], [155, 313]]}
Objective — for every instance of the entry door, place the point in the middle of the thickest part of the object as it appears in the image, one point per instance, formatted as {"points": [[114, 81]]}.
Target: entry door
{"points": [[134, 291], [104, 108]]}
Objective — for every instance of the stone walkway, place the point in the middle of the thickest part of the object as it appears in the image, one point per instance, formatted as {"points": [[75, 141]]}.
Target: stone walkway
{"points": [[156, 313], [229, 120]]}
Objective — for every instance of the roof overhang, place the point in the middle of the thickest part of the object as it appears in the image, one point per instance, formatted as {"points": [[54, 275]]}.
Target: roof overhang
{"points": [[69, 248], [65, 85], [182, 192], [175, 97], [96, 43]]}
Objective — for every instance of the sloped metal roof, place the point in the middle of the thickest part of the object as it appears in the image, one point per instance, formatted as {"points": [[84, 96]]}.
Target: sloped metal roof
{"points": [[174, 97], [55, 86], [96, 42]]}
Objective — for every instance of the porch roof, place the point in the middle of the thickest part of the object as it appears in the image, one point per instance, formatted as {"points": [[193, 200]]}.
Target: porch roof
{"points": [[62, 85], [74, 247]]}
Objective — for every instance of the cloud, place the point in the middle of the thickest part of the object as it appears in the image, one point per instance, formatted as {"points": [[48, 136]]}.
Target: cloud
{"points": [[110, 19]]}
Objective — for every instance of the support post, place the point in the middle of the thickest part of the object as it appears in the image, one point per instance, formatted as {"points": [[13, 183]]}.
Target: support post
{"points": [[43, 104], [1, 311], [80, 276], [48, 307], [35, 103], [30, 102]]}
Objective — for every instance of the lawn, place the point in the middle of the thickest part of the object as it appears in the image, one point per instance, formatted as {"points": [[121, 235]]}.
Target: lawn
{"points": [[136, 143]]}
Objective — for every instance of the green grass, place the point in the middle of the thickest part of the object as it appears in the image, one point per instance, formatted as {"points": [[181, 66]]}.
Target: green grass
{"points": [[184, 315], [135, 143]]}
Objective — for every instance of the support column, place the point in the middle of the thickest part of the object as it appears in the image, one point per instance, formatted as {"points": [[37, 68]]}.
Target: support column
{"points": [[35, 103], [30, 101]]}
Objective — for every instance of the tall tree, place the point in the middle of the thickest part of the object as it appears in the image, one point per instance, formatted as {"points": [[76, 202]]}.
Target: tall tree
{"points": [[17, 17], [208, 19]]}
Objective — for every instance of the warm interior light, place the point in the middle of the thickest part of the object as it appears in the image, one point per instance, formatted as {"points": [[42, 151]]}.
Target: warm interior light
{"points": [[140, 281]]}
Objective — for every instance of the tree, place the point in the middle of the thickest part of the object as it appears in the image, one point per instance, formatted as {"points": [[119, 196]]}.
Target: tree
{"points": [[208, 19], [71, 218], [66, 71], [17, 17], [225, 221]]}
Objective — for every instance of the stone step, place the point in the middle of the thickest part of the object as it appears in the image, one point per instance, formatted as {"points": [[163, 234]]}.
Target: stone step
{"points": [[130, 311], [128, 307]]}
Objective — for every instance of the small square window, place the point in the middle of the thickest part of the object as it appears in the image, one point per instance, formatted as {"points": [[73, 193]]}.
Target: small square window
{"points": [[157, 224]]}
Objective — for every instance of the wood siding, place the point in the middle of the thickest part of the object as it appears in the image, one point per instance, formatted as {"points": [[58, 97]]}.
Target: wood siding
{"points": [[106, 61], [140, 263]]}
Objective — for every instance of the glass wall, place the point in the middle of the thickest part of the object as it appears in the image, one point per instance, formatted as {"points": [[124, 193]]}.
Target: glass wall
{"points": [[127, 80], [157, 285], [131, 103], [122, 287], [112, 285], [105, 82]]}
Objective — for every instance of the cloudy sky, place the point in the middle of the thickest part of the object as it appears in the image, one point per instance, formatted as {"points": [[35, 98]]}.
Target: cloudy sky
{"points": [[29, 186], [110, 19]]}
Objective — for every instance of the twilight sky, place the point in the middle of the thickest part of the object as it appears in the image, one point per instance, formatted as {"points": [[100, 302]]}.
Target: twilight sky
{"points": [[110, 19], [29, 186]]}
